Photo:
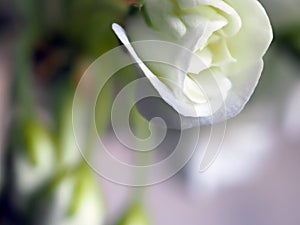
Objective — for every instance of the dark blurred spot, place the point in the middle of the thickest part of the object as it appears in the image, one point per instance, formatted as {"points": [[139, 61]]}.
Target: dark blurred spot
{"points": [[288, 40], [8, 21], [53, 58], [10, 214]]}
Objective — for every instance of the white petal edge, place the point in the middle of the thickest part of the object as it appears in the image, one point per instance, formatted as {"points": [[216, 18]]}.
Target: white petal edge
{"points": [[185, 109]]}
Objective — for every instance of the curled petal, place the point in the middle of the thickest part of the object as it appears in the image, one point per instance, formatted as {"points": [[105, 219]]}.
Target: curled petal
{"points": [[217, 64]]}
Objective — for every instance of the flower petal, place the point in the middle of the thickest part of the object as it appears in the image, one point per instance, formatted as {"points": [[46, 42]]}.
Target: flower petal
{"points": [[255, 36], [180, 106], [234, 21]]}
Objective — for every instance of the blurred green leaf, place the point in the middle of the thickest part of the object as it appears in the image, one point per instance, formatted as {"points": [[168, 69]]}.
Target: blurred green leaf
{"points": [[289, 39], [77, 200], [88, 23], [103, 108], [135, 215], [67, 150], [38, 141]]}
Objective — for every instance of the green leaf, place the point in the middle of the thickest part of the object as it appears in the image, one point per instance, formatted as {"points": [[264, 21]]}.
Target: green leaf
{"points": [[135, 215], [38, 141]]}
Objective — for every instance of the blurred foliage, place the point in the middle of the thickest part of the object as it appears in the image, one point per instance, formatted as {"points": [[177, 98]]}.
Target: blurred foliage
{"points": [[289, 39], [93, 32], [54, 43], [46, 180], [135, 215]]}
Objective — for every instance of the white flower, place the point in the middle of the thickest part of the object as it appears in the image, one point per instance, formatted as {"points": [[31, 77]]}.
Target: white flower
{"points": [[230, 38]]}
